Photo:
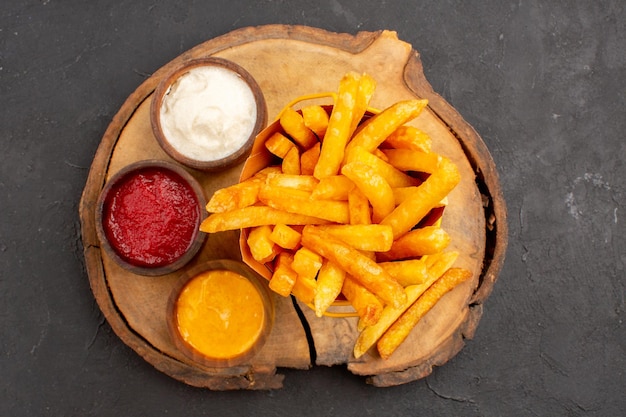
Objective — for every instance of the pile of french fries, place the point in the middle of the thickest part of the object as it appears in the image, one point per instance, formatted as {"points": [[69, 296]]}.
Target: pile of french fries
{"points": [[344, 210]]}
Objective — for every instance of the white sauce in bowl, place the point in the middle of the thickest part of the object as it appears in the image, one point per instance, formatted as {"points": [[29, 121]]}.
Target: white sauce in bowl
{"points": [[208, 113]]}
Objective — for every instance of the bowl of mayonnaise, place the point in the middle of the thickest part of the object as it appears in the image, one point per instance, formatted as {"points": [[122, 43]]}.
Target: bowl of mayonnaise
{"points": [[206, 113]]}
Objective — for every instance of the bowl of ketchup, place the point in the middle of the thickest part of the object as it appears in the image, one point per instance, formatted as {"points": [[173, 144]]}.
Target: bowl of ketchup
{"points": [[148, 216]]}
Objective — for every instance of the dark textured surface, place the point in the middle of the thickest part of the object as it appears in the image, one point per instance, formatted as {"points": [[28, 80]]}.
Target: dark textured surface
{"points": [[543, 83]]}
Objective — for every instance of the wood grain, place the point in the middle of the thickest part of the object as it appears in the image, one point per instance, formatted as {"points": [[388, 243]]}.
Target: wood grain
{"points": [[289, 61]]}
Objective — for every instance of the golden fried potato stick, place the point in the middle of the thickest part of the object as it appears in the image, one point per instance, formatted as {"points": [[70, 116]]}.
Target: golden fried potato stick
{"points": [[239, 195], [339, 128], [409, 272], [439, 263], [285, 236], [374, 186], [386, 122], [379, 154], [368, 337], [367, 85], [402, 193], [400, 329], [299, 182], [336, 187], [418, 242], [408, 137], [304, 289], [369, 274], [283, 278], [293, 124], [359, 207], [363, 237], [391, 174], [253, 216], [306, 263], [299, 202], [279, 144], [267, 191], [262, 248], [309, 158], [329, 283], [233, 197], [316, 119], [291, 162], [367, 306], [409, 160], [428, 195]]}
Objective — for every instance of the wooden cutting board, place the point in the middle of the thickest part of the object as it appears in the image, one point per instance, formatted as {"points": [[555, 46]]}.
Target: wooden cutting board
{"points": [[288, 62]]}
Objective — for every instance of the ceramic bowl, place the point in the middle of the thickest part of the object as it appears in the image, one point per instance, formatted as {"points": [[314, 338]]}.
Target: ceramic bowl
{"points": [[206, 113], [220, 313], [142, 242]]}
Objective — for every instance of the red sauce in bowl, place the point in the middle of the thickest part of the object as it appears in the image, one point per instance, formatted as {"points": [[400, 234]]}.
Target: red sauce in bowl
{"points": [[151, 217]]}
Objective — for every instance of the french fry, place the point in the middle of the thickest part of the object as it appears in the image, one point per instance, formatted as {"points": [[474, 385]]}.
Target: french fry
{"points": [[236, 196], [402, 193], [336, 187], [409, 272], [279, 144], [285, 236], [253, 216], [379, 154], [316, 119], [363, 269], [329, 283], [367, 85], [309, 158], [385, 122], [299, 182], [306, 263], [408, 137], [367, 306], [239, 195], [418, 242], [291, 162], [359, 207], [288, 281], [262, 175], [400, 329], [299, 202], [304, 289], [283, 278], [439, 263], [293, 124], [363, 237], [370, 335], [339, 127], [391, 174], [262, 248], [374, 186], [268, 191], [409, 160], [426, 196]]}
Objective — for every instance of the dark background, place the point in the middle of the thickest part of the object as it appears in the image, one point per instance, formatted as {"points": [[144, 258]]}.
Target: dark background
{"points": [[543, 83]]}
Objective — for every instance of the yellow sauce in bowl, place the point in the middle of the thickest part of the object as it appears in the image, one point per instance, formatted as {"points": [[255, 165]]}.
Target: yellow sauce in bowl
{"points": [[220, 314]]}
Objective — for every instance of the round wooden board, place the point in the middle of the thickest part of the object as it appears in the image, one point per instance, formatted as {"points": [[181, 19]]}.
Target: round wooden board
{"points": [[287, 62]]}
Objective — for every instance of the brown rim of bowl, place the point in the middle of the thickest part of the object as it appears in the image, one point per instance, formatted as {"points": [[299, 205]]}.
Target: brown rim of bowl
{"points": [[216, 265], [163, 87], [198, 238]]}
